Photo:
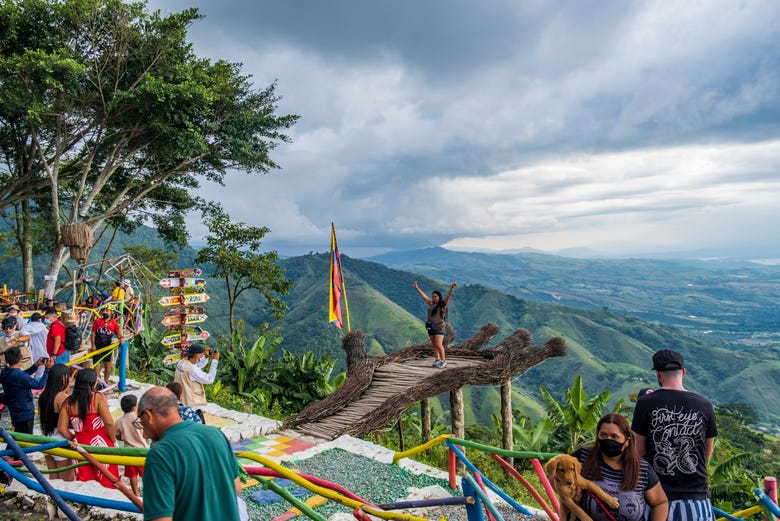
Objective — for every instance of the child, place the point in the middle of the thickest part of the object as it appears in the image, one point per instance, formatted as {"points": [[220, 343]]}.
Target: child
{"points": [[130, 436]]}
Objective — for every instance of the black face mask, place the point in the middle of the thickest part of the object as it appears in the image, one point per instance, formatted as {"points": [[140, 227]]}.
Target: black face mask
{"points": [[105, 317], [610, 448]]}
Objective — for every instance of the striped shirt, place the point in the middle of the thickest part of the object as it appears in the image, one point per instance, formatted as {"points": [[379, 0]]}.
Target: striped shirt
{"points": [[632, 502]]}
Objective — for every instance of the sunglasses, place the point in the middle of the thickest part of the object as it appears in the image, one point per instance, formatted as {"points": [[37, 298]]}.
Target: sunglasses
{"points": [[137, 422]]}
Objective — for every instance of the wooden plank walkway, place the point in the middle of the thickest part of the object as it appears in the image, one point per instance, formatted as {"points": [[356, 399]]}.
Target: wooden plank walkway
{"points": [[389, 382]]}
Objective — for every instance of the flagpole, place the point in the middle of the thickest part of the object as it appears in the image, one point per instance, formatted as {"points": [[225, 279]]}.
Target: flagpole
{"points": [[341, 275], [344, 292]]}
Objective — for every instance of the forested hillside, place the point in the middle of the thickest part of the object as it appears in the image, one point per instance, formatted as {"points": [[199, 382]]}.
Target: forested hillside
{"points": [[610, 350], [732, 301]]}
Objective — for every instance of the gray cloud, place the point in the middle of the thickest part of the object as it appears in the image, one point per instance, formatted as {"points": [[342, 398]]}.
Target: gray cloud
{"points": [[538, 124]]}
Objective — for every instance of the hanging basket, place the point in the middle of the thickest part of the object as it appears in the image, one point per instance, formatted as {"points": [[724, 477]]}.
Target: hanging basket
{"points": [[77, 236]]}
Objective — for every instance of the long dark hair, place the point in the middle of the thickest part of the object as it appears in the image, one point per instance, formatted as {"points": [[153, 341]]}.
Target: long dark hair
{"points": [[59, 376], [83, 388], [440, 306], [591, 469]]}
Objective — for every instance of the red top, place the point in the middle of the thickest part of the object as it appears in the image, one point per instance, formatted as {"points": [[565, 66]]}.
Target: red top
{"points": [[57, 329], [111, 325], [91, 431]]}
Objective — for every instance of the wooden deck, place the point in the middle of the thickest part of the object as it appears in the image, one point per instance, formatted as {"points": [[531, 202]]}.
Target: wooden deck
{"points": [[390, 382]]}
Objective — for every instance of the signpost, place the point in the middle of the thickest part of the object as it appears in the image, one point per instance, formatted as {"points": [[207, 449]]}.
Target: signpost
{"points": [[183, 309], [183, 282], [186, 299]]}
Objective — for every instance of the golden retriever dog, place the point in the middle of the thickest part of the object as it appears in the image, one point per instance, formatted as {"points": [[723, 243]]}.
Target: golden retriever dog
{"points": [[565, 474]]}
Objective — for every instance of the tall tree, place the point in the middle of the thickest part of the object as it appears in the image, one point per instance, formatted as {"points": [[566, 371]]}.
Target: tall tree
{"points": [[233, 250], [106, 113]]}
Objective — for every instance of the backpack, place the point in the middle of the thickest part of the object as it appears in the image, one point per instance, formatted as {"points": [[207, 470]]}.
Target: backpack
{"points": [[72, 338]]}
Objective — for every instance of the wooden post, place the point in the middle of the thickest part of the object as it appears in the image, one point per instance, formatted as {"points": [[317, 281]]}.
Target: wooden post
{"points": [[401, 444], [458, 415], [507, 439], [74, 298], [425, 419]]}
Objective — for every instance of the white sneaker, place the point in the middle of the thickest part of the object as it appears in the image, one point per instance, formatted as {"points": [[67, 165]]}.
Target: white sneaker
{"points": [[436, 362], [442, 364]]}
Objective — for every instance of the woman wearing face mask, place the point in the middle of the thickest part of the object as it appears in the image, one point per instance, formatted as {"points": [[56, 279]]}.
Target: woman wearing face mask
{"points": [[613, 463]]}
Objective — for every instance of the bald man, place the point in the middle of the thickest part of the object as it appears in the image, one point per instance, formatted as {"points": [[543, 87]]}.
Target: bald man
{"points": [[190, 469]]}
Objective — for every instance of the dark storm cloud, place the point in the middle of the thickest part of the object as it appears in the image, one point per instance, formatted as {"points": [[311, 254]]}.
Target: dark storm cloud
{"points": [[447, 121]]}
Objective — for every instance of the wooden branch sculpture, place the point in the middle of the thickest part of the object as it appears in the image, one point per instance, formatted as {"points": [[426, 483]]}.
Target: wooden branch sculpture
{"points": [[365, 408]]}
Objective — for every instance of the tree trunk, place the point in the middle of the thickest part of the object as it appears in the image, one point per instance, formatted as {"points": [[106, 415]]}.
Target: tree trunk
{"points": [[25, 240], [507, 440], [425, 419], [58, 257], [458, 415], [232, 297]]}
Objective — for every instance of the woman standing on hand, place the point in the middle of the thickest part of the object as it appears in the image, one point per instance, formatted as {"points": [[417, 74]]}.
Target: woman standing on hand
{"points": [[437, 310]]}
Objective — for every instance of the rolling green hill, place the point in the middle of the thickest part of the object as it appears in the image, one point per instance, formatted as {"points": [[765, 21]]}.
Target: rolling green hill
{"points": [[610, 350], [727, 300], [608, 346]]}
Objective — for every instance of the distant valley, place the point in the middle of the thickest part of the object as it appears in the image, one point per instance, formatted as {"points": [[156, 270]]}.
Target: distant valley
{"points": [[613, 313], [726, 300], [611, 349]]}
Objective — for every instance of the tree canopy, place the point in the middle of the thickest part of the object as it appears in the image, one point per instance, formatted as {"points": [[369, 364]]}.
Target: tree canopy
{"points": [[106, 113], [233, 251]]}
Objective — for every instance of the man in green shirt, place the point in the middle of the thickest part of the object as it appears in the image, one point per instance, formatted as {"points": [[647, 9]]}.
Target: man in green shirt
{"points": [[190, 472]]}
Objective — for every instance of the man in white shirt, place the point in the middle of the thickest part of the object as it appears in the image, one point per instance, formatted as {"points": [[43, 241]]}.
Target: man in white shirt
{"points": [[38, 333], [190, 374]]}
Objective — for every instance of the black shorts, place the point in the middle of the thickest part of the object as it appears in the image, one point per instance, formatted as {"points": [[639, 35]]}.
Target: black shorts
{"points": [[435, 329]]}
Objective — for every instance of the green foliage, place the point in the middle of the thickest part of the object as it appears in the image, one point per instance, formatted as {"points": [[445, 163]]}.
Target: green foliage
{"points": [[287, 382], [247, 366], [147, 353], [107, 114], [575, 418], [233, 252], [732, 479], [300, 381], [528, 436]]}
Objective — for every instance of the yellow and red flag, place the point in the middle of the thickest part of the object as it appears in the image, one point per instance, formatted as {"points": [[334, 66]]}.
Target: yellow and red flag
{"points": [[336, 284]]}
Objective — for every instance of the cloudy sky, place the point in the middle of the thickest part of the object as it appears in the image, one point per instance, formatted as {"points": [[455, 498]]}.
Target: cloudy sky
{"points": [[622, 127]]}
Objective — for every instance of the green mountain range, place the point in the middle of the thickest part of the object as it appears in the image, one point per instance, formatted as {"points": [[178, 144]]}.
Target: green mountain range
{"points": [[613, 314], [611, 350], [733, 301]]}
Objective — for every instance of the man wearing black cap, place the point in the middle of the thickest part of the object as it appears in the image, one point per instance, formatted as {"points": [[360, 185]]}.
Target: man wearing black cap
{"points": [[190, 374], [675, 432], [13, 337]]}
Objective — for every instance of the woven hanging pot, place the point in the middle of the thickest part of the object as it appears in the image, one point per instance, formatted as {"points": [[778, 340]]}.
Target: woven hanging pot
{"points": [[77, 236]]}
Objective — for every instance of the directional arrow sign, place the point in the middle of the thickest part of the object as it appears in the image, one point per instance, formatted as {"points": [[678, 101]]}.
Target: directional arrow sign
{"points": [[188, 272], [170, 359], [173, 282], [190, 298], [194, 298], [173, 320], [171, 340], [190, 310], [197, 332]]}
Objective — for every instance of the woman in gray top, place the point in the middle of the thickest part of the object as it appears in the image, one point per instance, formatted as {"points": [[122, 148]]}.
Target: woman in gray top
{"points": [[437, 310]]}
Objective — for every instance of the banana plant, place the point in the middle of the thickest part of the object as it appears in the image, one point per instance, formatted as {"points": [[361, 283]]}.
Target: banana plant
{"points": [[575, 418], [526, 435]]}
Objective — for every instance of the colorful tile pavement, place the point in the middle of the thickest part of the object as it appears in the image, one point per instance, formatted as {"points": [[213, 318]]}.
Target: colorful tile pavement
{"points": [[273, 446]]}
